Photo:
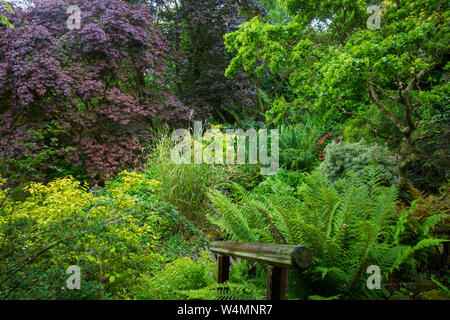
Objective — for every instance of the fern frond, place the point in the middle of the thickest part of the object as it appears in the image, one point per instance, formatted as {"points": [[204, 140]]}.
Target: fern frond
{"points": [[432, 221], [233, 218], [227, 291], [409, 251]]}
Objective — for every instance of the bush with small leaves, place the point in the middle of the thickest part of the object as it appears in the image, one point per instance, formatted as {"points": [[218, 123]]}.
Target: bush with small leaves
{"points": [[111, 237], [342, 158], [182, 274]]}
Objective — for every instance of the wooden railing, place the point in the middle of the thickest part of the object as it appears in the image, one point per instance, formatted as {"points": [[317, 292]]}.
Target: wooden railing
{"points": [[279, 259]]}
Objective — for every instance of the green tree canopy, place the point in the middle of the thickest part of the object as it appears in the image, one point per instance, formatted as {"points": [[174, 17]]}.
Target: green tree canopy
{"points": [[334, 64]]}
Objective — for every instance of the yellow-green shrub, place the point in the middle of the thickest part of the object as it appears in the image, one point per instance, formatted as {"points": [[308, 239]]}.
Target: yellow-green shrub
{"points": [[178, 276], [110, 237]]}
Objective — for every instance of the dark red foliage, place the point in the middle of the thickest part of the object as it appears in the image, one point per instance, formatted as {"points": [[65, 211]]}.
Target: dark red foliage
{"points": [[96, 89]]}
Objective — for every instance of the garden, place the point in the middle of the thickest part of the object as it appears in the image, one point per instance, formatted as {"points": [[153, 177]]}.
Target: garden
{"points": [[347, 100]]}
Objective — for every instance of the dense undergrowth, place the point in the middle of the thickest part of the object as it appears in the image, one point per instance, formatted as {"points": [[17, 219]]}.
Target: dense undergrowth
{"points": [[86, 171], [146, 234]]}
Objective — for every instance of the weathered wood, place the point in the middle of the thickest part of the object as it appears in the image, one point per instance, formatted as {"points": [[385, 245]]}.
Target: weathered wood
{"points": [[276, 283], [284, 256], [301, 258], [278, 258], [223, 272]]}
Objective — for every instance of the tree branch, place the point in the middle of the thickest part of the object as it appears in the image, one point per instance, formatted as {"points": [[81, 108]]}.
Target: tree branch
{"points": [[413, 82], [376, 129], [387, 95], [374, 98]]}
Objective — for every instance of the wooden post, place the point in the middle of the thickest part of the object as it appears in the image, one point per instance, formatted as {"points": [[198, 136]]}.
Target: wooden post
{"points": [[276, 283], [223, 272]]}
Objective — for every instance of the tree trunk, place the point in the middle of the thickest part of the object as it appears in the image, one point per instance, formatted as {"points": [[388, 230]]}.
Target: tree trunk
{"points": [[409, 154]]}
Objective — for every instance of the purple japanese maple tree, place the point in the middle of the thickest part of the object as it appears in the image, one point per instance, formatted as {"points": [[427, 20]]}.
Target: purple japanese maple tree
{"points": [[96, 89]]}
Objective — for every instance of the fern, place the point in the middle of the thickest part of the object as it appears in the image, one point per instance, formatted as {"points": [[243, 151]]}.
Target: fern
{"points": [[347, 226], [227, 291], [235, 218], [433, 221], [409, 251]]}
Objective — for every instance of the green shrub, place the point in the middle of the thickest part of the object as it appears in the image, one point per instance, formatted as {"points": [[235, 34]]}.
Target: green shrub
{"points": [[110, 237], [298, 146], [342, 158], [40, 166], [177, 235], [290, 178], [182, 274]]}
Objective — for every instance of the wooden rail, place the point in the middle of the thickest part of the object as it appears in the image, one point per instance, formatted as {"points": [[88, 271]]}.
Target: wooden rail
{"points": [[279, 259]]}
